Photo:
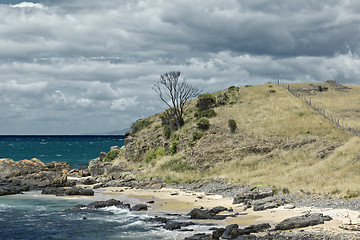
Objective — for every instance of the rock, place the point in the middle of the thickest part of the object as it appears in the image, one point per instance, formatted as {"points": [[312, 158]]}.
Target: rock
{"points": [[139, 207], [301, 221], [112, 148], [9, 190], [216, 234], [218, 209], [54, 191], [254, 194], [158, 219], [267, 203], [102, 156], [177, 225], [231, 232], [79, 191], [11, 168], [151, 202], [89, 181], [255, 228], [197, 213], [199, 236], [107, 203], [289, 206], [350, 227]]}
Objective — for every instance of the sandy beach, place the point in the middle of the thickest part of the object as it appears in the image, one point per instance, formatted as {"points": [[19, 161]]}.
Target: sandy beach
{"points": [[176, 201]]}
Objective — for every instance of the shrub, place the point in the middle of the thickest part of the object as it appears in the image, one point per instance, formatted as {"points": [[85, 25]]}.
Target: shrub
{"points": [[110, 156], [140, 125], [232, 125], [173, 147], [154, 154], [203, 123], [205, 113], [197, 134], [205, 102], [167, 131], [177, 165]]}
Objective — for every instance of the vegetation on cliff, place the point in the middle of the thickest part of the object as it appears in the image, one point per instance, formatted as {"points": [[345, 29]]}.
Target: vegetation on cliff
{"points": [[251, 135]]}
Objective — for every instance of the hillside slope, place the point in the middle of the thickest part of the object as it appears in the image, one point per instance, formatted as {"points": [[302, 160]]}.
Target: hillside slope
{"points": [[280, 141]]}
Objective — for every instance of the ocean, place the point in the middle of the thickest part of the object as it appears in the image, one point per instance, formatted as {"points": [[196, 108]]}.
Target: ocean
{"points": [[77, 150], [35, 216]]}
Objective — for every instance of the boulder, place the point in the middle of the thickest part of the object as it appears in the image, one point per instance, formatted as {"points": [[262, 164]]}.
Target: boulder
{"points": [[54, 191], [79, 191], [107, 203], [139, 207], [197, 213], [306, 220], [231, 232], [89, 181]]}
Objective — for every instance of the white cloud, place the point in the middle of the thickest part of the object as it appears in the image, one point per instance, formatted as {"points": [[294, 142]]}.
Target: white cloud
{"points": [[27, 5], [124, 103]]}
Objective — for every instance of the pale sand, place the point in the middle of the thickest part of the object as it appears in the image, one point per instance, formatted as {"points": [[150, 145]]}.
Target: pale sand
{"points": [[182, 201]]}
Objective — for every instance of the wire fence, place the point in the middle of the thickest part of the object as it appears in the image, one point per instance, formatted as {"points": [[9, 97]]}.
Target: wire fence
{"points": [[339, 123]]}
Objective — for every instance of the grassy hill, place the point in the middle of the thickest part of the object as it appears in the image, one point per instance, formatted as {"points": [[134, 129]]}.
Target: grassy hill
{"points": [[279, 141]]}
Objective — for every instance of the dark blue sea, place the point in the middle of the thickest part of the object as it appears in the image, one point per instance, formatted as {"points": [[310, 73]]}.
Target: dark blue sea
{"points": [[76, 150], [35, 216]]}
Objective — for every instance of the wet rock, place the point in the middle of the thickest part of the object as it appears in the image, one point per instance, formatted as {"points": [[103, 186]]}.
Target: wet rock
{"points": [[107, 203], [79, 191], [158, 219], [306, 220], [216, 234], [139, 207]]}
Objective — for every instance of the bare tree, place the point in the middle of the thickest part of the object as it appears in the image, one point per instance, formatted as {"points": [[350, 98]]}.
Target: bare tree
{"points": [[177, 94]]}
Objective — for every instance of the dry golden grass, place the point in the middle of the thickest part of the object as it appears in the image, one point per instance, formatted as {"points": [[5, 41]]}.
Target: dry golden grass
{"points": [[343, 105], [295, 133]]}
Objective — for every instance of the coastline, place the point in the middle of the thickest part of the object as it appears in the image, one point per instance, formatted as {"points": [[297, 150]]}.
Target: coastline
{"points": [[179, 201]]}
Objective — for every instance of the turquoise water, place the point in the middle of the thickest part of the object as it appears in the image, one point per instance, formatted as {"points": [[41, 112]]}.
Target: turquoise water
{"points": [[76, 150], [35, 216]]}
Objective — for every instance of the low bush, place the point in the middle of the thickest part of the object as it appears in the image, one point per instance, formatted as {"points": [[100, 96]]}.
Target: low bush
{"points": [[203, 123], [205, 113], [154, 153], [140, 125], [173, 147], [232, 125], [177, 165], [197, 134], [205, 102], [167, 131], [110, 156]]}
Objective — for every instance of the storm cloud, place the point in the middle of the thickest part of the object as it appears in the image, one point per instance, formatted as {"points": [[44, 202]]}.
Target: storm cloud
{"points": [[72, 67]]}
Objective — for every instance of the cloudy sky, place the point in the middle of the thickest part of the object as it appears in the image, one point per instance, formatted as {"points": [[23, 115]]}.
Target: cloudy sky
{"points": [[80, 66]]}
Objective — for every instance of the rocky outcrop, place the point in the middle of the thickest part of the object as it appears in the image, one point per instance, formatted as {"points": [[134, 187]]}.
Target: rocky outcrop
{"points": [[32, 174], [79, 191], [139, 207], [97, 167]]}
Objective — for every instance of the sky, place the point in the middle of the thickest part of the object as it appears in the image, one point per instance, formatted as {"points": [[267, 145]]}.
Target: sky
{"points": [[80, 66]]}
